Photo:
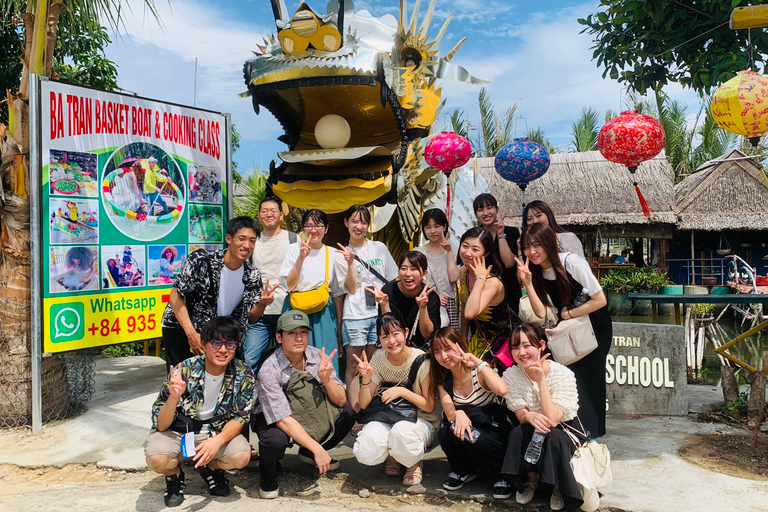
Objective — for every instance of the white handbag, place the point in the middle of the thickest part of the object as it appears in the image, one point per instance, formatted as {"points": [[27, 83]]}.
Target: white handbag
{"points": [[571, 340], [528, 316]]}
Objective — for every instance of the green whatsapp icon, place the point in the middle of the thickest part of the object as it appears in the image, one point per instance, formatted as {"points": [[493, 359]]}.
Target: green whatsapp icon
{"points": [[67, 322]]}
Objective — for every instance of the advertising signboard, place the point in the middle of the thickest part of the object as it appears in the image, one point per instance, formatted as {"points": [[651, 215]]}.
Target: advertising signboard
{"points": [[130, 187]]}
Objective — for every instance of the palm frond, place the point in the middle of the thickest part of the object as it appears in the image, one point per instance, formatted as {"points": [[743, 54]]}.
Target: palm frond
{"points": [[584, 130], [254, 188]]}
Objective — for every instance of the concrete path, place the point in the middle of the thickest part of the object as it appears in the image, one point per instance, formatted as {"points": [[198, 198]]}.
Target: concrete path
{"points": [[648, 475]]}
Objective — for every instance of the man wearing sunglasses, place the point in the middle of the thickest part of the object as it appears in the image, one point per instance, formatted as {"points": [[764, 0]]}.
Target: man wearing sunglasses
{"points": [[208, 397]]}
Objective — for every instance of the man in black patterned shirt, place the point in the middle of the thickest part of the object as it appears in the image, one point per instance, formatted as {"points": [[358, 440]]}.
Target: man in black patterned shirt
{"points": [[212, 284]]}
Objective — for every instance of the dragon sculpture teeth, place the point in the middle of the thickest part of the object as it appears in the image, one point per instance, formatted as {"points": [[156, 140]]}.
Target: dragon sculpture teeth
{"points": [[380, 75]]}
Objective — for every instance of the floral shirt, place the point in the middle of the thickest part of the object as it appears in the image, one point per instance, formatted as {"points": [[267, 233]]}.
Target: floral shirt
{"points": [[235, 399], [198, 284]]}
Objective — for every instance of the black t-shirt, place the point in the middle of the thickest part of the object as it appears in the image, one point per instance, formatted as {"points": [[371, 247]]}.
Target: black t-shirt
{"points": [[408, 309], [512, 290]]}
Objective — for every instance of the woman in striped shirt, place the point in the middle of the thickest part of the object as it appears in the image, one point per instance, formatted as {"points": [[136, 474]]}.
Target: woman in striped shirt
{"points": [[475, 423]]}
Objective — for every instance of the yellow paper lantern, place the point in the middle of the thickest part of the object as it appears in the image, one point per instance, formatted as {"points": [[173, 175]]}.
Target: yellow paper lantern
{"points": [[332, 132], [740, 105]]}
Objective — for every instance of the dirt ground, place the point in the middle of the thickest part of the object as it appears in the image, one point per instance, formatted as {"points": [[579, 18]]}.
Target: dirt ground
{"points": [[730, 454], [87, 487]]}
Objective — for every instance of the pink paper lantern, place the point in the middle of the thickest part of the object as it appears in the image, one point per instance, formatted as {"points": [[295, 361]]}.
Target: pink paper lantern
{"points": [[447, 151]]}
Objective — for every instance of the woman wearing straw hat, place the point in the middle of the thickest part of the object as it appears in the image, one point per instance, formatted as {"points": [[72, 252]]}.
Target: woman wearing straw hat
{"points": [[167, 265]]}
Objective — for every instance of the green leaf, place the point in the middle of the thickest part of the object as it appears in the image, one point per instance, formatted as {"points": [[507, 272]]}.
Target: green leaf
{"points": [[734, 3], [602, 17], [621, 21]]}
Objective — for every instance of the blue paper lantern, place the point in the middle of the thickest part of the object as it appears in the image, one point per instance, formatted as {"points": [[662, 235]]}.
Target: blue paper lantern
{"points": [[522, 161]]}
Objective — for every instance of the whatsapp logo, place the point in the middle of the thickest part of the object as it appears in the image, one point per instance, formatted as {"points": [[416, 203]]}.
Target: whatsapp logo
{"points": [[67, 322]]}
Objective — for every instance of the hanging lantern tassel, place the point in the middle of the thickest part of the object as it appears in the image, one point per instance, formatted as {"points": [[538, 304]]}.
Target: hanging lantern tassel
{"points": [[640, 196], [448, 192], [523, 187]]}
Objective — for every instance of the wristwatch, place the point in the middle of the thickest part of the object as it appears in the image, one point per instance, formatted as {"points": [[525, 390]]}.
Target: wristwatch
{"points": [[502, 236], [481, 366]]}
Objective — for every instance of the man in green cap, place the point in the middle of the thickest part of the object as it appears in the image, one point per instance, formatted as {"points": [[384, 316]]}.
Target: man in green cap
{"points": [[292, 381]]}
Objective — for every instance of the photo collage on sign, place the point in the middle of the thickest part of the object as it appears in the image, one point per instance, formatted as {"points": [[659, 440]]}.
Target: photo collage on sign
{"points": [[73, 221], [205, 220]]}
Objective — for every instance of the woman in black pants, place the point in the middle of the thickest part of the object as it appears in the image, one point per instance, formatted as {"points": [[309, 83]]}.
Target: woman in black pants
{"points": [[566, 282], [475, 423]]}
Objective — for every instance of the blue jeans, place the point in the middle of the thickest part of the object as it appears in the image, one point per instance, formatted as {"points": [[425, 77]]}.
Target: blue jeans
{"points": [[155, 198], [257, 340]]}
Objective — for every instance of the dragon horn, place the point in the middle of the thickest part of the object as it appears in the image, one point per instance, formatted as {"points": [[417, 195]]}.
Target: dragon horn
{"points": [[415, 17], [427, 17], [279, 10]]}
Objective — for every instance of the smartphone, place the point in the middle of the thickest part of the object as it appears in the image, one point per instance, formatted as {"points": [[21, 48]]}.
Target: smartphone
{"points": [[370, 299], [475, 433]]}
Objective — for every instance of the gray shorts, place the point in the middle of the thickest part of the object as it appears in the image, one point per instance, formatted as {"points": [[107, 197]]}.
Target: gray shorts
{"points": [[168, 443]]}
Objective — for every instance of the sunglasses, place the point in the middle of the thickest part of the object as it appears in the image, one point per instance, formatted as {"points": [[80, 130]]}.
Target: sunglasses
{"points": [[230, 344]]}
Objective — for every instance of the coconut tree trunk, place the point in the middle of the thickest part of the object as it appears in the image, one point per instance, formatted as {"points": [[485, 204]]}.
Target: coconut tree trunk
{"points": [[756, 404]]}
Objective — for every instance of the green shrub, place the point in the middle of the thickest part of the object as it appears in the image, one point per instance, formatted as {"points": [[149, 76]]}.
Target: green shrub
{"points": [[628, 280], [124, 350]]}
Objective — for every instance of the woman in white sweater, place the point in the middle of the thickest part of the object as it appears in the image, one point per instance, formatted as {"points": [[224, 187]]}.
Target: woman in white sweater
{"points": [[543, 395]]}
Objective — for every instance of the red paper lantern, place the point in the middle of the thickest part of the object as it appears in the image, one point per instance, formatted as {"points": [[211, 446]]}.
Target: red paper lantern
{"points": [[446, 152], [630, 139]]}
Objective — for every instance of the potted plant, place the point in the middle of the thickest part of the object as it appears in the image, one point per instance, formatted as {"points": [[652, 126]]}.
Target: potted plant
{"points": [[708, 277], [618, 283]]}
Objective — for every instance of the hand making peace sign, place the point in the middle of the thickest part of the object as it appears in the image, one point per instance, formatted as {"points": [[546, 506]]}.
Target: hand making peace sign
{"points": [[268, 295], [499, 224], [478, 267], [364, 367], [325, 368], [305, 248], [467, 358], [176, 384], [349, 256], [446, 243], [523, 272], [422, 299], [382, 299]]}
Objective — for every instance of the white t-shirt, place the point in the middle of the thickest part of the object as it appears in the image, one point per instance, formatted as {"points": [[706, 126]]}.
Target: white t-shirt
{"points": [[211, 391], [312, 274], [376, 255], [231, 289], [268, 258], [579, 269]]}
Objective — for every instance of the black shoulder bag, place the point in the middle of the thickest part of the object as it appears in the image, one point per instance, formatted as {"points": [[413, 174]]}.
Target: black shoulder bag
{"points": [[396, 410], [492, 417]]}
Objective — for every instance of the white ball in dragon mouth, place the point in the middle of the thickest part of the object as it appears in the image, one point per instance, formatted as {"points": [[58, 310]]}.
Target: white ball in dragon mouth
{"points": [[332, 132]]}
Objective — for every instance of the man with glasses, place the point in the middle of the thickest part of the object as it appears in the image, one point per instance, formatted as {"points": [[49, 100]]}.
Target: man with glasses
{"points": [[204, 405], [268, 257], [299, 398]]}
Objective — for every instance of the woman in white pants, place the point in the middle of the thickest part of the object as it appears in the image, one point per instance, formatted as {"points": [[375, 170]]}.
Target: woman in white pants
{"points": [[401, 443]]}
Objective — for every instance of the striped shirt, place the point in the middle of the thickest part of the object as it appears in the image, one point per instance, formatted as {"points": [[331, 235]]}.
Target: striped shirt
{"points": [[478, 397]]}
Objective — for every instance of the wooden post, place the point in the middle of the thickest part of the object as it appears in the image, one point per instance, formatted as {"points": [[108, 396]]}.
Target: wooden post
{"points": [[756, 405]]}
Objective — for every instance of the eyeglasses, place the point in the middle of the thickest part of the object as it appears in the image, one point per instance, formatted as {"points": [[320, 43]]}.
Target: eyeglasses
{"points": [[230, 344], [310, 227]]}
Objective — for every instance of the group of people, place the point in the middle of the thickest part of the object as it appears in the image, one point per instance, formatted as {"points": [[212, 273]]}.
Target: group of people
{"points": [[434, 347]]}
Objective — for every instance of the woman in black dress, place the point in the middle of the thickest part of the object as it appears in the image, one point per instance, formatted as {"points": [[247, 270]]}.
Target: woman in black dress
{"points": [[566, 282]]}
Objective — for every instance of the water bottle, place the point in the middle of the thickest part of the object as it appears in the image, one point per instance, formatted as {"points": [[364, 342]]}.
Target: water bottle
{"points": [[533, 452]]}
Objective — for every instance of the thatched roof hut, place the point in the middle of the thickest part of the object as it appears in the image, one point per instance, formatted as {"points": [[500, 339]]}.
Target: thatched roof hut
{"points": [[730, 193], [587, 191]]}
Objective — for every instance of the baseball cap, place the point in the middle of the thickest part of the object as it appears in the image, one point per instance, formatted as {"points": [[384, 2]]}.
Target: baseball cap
{"points": [[292, 319], [151, 159]]}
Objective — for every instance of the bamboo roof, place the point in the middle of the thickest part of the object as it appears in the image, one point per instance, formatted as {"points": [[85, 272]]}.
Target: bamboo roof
{"points": [[728, 193], [585, 189]]}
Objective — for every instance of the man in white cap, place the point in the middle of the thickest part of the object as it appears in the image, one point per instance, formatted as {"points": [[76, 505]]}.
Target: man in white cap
{"points": [[152, 175]]}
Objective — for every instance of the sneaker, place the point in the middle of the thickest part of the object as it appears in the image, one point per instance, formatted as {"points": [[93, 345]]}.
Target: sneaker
{"points": [[216, 479], [502, 490], [556, 501], [307, 456], [269, 488], [174, 489], [455, 481]]}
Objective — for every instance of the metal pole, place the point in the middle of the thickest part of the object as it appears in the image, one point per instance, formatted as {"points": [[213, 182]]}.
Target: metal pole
{"points": [[35, 253], [194, 99], [230, 174]]}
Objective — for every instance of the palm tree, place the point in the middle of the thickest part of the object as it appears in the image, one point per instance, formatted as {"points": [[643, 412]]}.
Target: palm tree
{"points": [[584, 130], [460, 125], [40, 22], [250, 192], [496, 131], [538, 135]]}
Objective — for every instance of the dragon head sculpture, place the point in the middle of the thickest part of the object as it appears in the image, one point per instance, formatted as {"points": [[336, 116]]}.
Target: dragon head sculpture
{"points": [[355, 94]]}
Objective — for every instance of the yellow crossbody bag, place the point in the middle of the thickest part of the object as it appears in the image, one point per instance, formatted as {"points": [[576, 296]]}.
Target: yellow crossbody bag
{"points": [[313, 300]]}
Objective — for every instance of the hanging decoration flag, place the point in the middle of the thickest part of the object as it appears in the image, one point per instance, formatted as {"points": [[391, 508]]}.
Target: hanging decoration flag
{"points": [[740, 106], [522, 161], [446, 152], [630, 139]]}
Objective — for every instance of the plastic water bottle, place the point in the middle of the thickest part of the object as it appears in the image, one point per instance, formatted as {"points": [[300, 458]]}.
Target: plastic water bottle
{"points": [[533, 452]]}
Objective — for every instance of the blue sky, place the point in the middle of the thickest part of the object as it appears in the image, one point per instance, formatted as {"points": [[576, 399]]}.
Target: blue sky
{"points": [[532, 51]]}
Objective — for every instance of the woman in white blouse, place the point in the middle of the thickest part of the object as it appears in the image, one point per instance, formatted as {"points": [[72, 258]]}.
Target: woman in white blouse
{"points": [[542, 394], [309, 266]]}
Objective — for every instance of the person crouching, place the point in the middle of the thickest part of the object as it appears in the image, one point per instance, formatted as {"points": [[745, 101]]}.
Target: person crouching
{"points": [[208, 397], [300, 398]]}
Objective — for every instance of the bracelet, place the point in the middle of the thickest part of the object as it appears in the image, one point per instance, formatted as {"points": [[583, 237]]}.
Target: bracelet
{"points": [[570, 315], [365, 383], [481, 366], [502, 236], [480, 278]]}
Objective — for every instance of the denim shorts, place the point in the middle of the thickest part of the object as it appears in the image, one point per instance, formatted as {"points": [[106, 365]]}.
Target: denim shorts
{"points": [[359, 333]]}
